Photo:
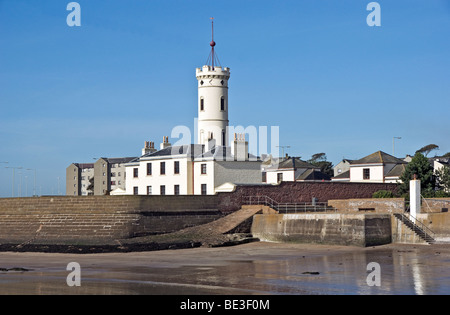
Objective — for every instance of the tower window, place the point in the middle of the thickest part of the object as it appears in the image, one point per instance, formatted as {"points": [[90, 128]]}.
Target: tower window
{"points": [[222, 103], [221, 82], [202, 104], [201, 82]]}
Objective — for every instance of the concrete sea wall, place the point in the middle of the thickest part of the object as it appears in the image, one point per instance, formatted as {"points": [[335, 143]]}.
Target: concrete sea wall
{"points": [[99, 219], [335, 229], [378, 205]]}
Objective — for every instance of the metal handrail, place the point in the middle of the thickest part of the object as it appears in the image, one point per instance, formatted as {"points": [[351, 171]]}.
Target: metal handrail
{"points": [[285, 207], [420, 225]]}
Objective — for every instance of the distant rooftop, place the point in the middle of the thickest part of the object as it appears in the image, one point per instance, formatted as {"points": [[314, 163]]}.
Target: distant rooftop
{"points": [[378, 157]]}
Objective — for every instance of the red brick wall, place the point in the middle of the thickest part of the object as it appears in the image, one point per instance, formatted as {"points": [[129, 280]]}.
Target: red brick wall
{"points": [[292, 192]]}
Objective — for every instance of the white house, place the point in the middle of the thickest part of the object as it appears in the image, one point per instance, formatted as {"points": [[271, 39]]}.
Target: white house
{"points": [[189, 170], [378, 167], [293, 169]]}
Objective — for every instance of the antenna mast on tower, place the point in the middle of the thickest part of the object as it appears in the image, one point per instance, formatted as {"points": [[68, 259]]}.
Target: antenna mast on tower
{"points": [[212, 58]]}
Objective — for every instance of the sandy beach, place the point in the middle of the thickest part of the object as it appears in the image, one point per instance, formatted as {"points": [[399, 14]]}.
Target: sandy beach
{"points": [[254, 268]]}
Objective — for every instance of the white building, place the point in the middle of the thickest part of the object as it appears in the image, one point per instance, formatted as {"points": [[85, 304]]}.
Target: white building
{"points": [[188, 170], [292, 169], [198, 168], [378, 167]]}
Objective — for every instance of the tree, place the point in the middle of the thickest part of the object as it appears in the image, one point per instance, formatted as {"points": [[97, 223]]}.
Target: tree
{"points": [[320, 160], [427, 149], [443, 178], [446, 155], [318, 157], [422, 169]]}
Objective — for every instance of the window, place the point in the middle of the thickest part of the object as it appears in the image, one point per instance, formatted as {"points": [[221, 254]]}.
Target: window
{"points": [[279, 177], [162, 170], [149, 168], [366, 173], [113, 182], [149, 190], [176, 167], [203, 189], [222, 104], [202, 104], [176, 189], [223, 137], [135, 190], [264, 177], [104, 174], [118, 174], [162, 189], [113, 174], [135, 172], [203, 170]]}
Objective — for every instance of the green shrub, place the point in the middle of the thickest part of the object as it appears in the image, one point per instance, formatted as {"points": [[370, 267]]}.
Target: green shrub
{"points": [[383, 194]]}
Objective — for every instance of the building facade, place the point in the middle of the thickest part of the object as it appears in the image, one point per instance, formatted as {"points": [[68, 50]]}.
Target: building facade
{"points": [[99, 178], [378, 167]]}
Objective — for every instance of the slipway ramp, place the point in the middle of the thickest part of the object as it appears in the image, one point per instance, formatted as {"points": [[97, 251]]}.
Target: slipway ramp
{"points": [[214, 233]]}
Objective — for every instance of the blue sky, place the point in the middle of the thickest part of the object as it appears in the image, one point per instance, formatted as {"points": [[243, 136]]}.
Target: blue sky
{"points": [[127, 75]]}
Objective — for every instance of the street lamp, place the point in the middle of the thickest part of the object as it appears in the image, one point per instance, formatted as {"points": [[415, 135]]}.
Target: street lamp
{"points": [[393, 144], [14, 169], [34, 186]]}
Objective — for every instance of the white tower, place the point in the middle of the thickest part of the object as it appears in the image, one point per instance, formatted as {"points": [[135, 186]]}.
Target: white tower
{"points": [[212, 100]]}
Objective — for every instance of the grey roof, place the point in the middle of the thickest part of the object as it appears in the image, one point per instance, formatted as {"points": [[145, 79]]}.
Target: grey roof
{"points": [[312, 174], [292, 163], [223, 153], [195, 151], [378, 157], [84, 165], [346, 174], [396, 171], [191, 149], [119, 160], [441, 160]]}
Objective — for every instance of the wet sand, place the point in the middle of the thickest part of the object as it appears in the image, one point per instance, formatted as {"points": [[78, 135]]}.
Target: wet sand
{"points": [[254, 268]]}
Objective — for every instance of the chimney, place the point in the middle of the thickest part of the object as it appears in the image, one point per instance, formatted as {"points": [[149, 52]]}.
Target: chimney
{"points": [[149, 147], [240, 147], [165, 143]]}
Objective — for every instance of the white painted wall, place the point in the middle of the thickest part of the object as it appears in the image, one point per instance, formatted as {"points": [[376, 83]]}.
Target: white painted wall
{"points": [[207, 178], [156, 180], [376, 173], [272, 177], [211, 90]]}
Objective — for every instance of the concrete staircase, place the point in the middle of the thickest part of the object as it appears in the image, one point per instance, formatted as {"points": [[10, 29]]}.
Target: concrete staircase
{"points": [[419, 229]]}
